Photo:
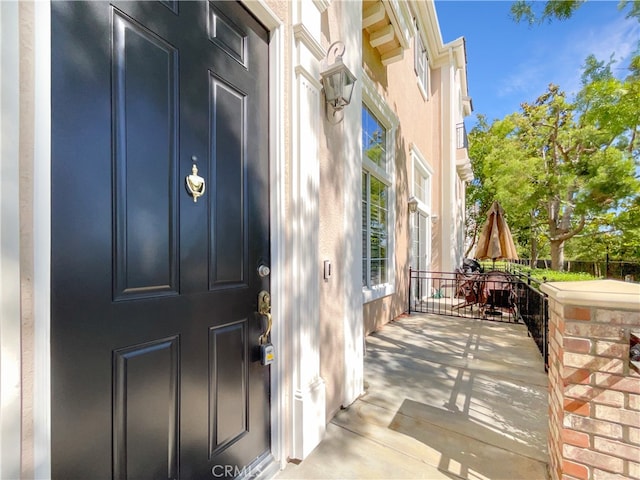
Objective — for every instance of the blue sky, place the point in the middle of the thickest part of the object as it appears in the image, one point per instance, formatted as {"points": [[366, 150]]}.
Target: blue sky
{"points": [[508, 62]]}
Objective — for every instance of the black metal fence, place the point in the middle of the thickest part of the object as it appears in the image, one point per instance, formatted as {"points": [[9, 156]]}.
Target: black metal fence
{"points": [[533, 306], [497, 296]]}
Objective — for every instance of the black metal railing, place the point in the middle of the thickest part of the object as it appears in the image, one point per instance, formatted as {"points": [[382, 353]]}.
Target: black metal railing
{"points": [[533, 306], [496, 295]]}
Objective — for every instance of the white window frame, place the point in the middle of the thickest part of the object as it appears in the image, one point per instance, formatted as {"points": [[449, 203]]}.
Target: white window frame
{"points": [[421, 63], [385, 115], [419, 166]]}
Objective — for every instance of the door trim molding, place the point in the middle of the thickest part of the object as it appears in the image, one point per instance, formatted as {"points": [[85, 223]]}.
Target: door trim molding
{"points": [[42, 241], [277, 177]]}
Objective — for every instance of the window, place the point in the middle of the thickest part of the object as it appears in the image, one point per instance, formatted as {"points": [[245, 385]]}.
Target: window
{"points": [[421, 184], [421, 63], [375, 203], [375, 231], [379, 124], [422, 173], [374, 139]]}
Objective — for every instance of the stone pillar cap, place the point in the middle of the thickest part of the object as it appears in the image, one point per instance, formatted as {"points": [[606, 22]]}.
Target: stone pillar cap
{"points": [[611, 294]]}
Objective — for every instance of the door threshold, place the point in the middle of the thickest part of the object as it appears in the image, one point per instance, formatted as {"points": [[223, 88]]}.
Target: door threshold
{"points": [[263, 467]]}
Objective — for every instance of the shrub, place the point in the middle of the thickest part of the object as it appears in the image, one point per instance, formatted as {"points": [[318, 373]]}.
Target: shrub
{"points": [[547, 275]]}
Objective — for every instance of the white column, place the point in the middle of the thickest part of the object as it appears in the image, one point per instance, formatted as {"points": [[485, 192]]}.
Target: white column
{"points": [[309, 394], [10, 384], [449, 206]]}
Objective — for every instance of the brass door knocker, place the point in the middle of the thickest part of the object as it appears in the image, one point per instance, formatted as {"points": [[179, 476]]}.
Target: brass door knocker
{"points": [[195, 184]]}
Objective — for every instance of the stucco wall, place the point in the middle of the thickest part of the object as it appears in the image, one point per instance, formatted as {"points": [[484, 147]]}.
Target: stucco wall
{"points": [[420, 126], [335, 228], [331, 241]]}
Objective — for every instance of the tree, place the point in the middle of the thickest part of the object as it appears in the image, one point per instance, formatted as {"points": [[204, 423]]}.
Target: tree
{"points": [[534, 12], [558, 165], [478, 195], [538, 12], [564, 167], [502, 172]]}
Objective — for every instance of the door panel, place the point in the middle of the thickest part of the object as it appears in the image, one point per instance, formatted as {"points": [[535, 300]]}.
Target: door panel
{"points": [[229, 243], [228, 355], [145, 392], [154, 296], [226, 35], [144, 96]]}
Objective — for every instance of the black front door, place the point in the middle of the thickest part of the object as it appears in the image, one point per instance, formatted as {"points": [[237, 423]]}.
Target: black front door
{"points": [[154, 331]]}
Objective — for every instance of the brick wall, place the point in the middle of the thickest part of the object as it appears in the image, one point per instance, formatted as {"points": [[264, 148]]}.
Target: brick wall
{"points": [[594, 395]]}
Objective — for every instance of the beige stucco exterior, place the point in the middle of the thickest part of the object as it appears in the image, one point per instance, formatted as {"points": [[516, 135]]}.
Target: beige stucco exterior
{"points": [[319, 323], [421, 127]]}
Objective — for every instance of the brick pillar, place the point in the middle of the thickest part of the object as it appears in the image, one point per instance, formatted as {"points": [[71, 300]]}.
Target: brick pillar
{"points": [[594, 394]]}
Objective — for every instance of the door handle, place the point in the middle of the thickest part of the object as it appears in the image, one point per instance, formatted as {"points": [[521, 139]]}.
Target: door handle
{"points": [[264, 309], [267, 352]]}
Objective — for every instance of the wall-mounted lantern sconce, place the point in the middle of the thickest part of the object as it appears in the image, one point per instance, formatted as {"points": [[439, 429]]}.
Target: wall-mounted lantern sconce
{"points": [[413, 205], [337, 81]]}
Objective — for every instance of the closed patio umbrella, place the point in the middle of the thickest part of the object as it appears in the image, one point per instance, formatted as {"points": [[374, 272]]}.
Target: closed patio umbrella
{"points": [[495, 240], [496, 243]]}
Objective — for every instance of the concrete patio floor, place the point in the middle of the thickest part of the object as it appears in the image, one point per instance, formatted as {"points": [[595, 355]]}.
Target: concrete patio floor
{"points": [[445, 398]]}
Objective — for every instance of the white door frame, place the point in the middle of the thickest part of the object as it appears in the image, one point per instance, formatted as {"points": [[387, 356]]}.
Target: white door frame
{"points": [[276, 28], [10, 305]]}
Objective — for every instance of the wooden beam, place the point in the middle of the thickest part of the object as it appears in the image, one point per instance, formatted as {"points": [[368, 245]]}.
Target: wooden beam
{"points": [[382, 36], [392, 56], [373, 14]]}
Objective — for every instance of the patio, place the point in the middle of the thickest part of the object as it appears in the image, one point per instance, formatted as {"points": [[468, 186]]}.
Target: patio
{"points": [[445, 398]]}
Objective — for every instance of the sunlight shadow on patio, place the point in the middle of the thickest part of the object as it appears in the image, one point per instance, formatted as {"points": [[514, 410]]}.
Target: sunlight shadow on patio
{"points": [[474, 392], [468, 450], [446, 398]]}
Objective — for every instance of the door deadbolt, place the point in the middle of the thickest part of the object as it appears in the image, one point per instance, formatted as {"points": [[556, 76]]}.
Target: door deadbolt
{"points": [[263, 271], [264, 303]]}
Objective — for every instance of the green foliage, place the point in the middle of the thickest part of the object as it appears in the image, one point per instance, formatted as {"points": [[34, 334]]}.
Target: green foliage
{"points": [[537, 12], [375, 151], [628, 224], [546, 275], [560, 166], [634, 10], [539, 274]]}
